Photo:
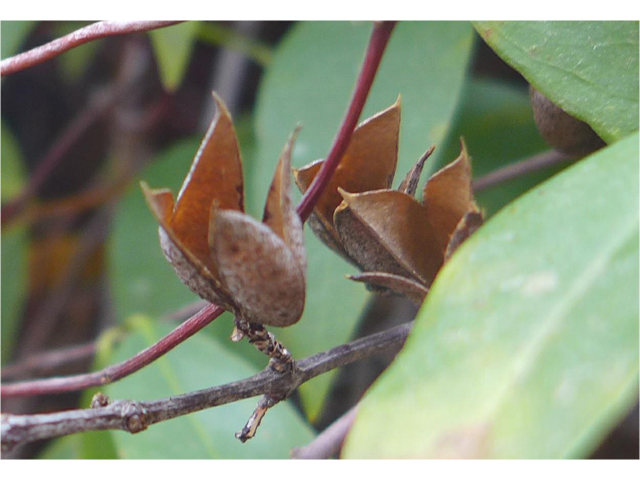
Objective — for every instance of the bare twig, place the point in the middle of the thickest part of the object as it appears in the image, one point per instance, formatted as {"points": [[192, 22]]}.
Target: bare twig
{"points": [[329, 442], [112, 373], [377, 44], [518, 169], [86, 34], [133, 416], [47, 362]]}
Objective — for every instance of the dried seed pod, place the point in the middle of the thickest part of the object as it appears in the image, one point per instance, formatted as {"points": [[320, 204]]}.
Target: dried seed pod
{"points": [[399, 242], [563, 132], [255, 270], [369, 163]]}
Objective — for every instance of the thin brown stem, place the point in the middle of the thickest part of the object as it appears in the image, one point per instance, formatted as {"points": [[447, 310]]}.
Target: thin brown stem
{"points": [[514, 170], [49, 361], [133, 416], [377, 44], [86, 34], [112, 373]]}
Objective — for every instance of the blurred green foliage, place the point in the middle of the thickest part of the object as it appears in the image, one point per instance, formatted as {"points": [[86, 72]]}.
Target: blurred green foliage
{"points": [[308, 78]]}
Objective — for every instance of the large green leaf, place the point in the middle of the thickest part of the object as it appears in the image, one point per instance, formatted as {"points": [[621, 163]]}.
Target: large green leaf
{"points": [[64, 448], [75, 62], [14, 245], [202, 363], [496, 121], [589, 69], [173, 46], [310, 80], [142, 280], [13, 267], [527, 345], [13, 34], [14, 175]]}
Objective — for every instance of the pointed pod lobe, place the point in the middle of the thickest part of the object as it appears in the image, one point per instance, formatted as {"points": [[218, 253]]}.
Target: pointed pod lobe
{"points": [[448, 196], [215, 178], [369, 163]]}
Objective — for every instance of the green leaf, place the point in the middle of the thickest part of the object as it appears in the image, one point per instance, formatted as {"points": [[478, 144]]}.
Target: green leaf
{"points": [[173, 47], [75, 62], [13, 268], [589, 69], [14, 175], [221, 35], [527, 344], [497, 124], [310, 80], [13, 34], [202, 362], [142, 281], [81, 446], [64, 448]]}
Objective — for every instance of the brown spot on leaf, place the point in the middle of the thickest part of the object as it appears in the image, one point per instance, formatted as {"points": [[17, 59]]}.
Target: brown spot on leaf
{"points": [[464, 443]]}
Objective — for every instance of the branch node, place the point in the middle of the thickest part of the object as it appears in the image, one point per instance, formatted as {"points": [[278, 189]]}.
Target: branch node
{"points": [[99, 400], [135, 417], [280, 358]]}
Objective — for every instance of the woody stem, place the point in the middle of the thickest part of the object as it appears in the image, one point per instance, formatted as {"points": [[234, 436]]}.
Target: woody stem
{"points": [[280, 358]]}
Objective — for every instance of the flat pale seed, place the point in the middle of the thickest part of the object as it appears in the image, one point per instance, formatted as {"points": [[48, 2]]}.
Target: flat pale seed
{"points": [[448, 196], [398, 223], [259, 270], [215, 178]]}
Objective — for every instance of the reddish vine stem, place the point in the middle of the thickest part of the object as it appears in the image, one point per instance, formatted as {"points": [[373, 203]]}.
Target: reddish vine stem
{"points": [[120, 370], [86, 34], [377, 44]]}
